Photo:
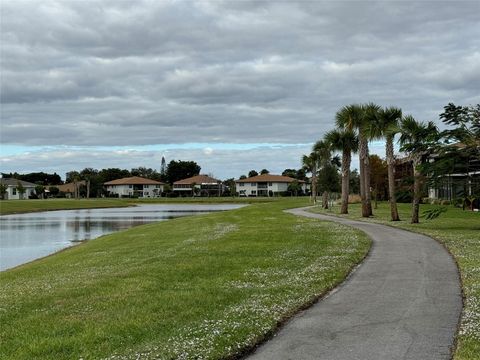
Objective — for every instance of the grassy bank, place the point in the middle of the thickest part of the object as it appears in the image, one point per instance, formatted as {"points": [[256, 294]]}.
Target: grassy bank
{"points": [[209, 286], [460, 232], [24, 206]]}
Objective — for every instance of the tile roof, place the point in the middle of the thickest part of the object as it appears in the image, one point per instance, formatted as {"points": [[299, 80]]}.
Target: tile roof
{"points": [[14, 182], [197, 179], [69, 187], [269, 178], [134, 180]]}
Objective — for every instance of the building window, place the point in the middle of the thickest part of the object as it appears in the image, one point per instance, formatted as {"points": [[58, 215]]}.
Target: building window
{"points": [[130, 186], [14, 191], [145, 186], [270, 184], [253, 184], [241, 184], [254, 192]]}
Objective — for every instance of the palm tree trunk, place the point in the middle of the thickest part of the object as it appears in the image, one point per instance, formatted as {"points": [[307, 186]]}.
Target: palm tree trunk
{"points": [[391, 178], [314, 185], [368, 193], [416, 190], [362, 154], [346, 160]]}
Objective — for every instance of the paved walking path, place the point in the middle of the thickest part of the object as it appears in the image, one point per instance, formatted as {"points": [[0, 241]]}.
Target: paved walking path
{"points": [[403, 302]]}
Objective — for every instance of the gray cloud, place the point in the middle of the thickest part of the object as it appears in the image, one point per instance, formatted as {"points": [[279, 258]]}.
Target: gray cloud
{"points": [[166, 72]]}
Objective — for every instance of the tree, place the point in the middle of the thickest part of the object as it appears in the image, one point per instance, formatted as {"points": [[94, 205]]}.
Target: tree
{"points": [[71, 176], [163, 169], [252, 173], [353, 118], [323, 150], [243, 177], [178, 170], [106, 175], [354, 182], [295, 174], [264, 172], [147, 173], [328, 180], [378, 177], [290, 173], [40, 190], [230, 187], [347, 142], [194, 189], [3, 190], [459, 152], [294, 187], [371, 112], [21, 190], [417, 139], [54, 191], [386, 125], [466, 122], [36, 178], [310, 164]]}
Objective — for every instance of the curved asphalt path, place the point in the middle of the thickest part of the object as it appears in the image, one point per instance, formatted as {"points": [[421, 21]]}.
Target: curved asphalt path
{"points": [[403, 302]]}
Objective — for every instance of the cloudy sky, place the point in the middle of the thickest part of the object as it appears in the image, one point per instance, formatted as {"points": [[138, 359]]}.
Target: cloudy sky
{"points": [[233, 85]]}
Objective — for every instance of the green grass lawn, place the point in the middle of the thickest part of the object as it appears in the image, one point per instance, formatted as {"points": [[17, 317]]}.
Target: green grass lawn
{"points": [[460, 232], [208, 286]]}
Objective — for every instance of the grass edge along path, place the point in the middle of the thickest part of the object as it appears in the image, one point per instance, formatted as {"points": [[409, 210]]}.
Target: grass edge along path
{"points": [[208, 286], [459, 232]]}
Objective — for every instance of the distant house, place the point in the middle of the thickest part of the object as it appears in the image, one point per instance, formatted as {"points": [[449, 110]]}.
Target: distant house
{"points": [[202, 185], [266, 185], [12, 192], [134, 186], [69, 188]]}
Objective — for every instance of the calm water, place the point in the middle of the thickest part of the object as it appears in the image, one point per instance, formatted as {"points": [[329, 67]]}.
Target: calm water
{"points": [[25, 237]]}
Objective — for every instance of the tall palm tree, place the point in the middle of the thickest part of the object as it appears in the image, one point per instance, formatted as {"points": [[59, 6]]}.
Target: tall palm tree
{"points": [[310, 164], [371, 112], [416, 140], [386, 125], [347, 142], [353, 118]]}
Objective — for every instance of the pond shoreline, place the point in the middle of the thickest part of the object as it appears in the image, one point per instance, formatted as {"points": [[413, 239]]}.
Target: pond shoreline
{"points": [[31, 236]]}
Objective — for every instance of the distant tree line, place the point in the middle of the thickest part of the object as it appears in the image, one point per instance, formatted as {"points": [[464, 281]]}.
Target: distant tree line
{"points": [[39, 178]]}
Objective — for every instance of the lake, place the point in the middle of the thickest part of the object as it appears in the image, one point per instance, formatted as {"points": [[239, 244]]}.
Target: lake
{"points": [[26, 237]]}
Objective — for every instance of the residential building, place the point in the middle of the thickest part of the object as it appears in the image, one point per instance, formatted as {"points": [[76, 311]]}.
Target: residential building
{"points": [[69, 188], [201, 185], [266, 185], [12, 185], [134, 186]]}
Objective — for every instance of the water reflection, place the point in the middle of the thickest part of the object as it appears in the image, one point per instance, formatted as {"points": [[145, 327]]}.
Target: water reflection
{"points": [[25, 237]]}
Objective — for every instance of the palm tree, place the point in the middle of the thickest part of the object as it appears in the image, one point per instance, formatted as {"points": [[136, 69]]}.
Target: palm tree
{"points": [[371, 112], [416, 140], [324, 153], [347, 142], [386, 125], [310, 164], [353, 118]]}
